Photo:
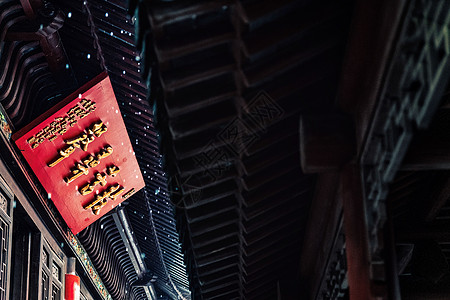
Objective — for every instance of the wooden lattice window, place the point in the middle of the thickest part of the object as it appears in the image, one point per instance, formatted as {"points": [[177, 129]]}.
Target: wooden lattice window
{"points": [[6, 200], [38, 263], [51, 274]]}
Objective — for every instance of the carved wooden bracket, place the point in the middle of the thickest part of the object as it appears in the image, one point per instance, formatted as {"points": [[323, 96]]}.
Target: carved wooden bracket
{"points": [[49, 40], [327, 142]]}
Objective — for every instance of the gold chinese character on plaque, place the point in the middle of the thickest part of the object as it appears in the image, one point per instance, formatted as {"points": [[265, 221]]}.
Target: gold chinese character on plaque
{"points": [[81, 168], [100, 178], [101, 199], [64, 153], [78, 171], [80, 141]]}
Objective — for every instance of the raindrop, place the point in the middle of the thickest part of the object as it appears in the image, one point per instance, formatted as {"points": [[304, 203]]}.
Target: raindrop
{"points": [[69, 15], [112, 33], [67, 66], [106, 14], [88, 56]]}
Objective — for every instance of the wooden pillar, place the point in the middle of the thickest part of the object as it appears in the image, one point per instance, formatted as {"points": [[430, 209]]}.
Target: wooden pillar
{"points": [[356, 234], [324, 220]]}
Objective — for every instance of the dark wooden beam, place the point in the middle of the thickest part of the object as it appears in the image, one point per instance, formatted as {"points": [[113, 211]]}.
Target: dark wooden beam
{"points": [[438, 197], [370, 46], [423, 293], [427, 153], [430, 149], [439, 233], [416, 290], [327, 142], [356, 234]]}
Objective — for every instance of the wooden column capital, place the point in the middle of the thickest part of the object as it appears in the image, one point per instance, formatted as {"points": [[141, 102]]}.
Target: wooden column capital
{"points": [[327, 142]]}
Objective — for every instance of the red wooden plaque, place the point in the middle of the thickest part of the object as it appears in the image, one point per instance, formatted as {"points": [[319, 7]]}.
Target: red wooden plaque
{"points": [[81, 153]]}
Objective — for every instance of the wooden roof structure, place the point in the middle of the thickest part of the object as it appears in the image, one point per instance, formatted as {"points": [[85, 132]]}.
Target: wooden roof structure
{"points": [[229, 81], [295, 133]]}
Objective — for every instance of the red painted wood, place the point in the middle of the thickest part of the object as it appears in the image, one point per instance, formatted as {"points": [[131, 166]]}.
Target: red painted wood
{"points": [[66, 196], [356, 240]]}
